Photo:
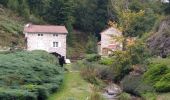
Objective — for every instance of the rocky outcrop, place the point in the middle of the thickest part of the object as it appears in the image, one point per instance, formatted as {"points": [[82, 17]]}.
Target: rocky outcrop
{"points": [[112, 92], [159, 43]]}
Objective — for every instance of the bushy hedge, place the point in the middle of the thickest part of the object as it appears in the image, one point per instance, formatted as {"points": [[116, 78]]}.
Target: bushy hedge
{"points": [[106, 61], [163, 85], [92, 57], [29, 75], [135, 85], [159, 76]]}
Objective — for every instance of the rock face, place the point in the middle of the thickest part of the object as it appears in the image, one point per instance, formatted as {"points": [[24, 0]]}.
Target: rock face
{"points": [[159, 43], [112, 92]]}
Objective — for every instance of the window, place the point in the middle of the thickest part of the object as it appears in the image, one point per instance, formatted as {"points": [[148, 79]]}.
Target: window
{"points": [[55, 35], [40, 34], [55, 44]]}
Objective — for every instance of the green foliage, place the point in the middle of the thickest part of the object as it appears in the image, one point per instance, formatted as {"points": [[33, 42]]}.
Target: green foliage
{"points": [[15, 94], [135, 85], [11, 26], [149, 96], [155, 73], [19, 6], [31, 74], [86, 15], [166, 8], [106, 61], [95, 95], [13, 4], [60, 11], [121, 64], [92, 57], [125, 96], [91, 16], [138, 52], [163, 85], [4, 2], [91, 46], [23, 9], [90, 73], [134, 17], [158, 76]]}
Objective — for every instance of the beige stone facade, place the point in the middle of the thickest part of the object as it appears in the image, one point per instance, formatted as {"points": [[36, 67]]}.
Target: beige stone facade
{"points": [[50, 42], [108, 41]]}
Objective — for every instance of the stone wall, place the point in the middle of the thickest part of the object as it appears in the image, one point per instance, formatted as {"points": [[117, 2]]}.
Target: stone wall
{"points": [[45, 42]]}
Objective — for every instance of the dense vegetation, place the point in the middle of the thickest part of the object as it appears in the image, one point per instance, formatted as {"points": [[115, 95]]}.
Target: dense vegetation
{"points": [[137, 68], [81, 14], [11, 26], [28, 75]]}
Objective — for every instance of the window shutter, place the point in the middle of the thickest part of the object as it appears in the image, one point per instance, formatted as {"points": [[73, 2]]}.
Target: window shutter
{"points": [[59, 44]]}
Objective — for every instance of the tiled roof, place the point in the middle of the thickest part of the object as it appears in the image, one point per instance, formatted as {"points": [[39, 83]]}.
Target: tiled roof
{"points": [[112, 46], [111, 30], [29, 28]]}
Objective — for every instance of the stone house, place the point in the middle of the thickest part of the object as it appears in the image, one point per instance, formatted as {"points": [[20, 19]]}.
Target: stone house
{"points": [[108, 42], [46, 37]]}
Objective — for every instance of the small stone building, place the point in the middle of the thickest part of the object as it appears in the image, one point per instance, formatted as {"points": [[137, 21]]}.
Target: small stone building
{"points": [[46, 37], [108, 42]]}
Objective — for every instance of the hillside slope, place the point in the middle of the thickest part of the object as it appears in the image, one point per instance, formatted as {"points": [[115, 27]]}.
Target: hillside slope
{"points": [[11, 26], [159, 43]]}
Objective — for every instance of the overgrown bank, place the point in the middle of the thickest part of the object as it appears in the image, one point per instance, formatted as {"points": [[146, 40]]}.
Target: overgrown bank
{"points": [[73, 88], [11, 26], [29, 75], [146, 80]]}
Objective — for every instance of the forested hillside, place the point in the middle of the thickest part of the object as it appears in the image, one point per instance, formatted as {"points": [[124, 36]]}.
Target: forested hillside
{"points": [[88, 16], [11, 26], [141, 69]]}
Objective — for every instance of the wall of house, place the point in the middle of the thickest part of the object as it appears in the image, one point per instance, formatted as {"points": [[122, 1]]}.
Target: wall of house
{"points": [[107, 38], [45, 42]]}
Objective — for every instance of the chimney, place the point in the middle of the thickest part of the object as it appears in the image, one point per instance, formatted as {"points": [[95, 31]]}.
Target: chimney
{"points": [[28, 25]]}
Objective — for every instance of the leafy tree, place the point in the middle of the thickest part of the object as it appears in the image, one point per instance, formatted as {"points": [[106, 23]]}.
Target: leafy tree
{"points": [[13, 4], [70, 36], [23, 9], [91, 15], [38, 7], [60, 11], [91, 44], [4, 2], [167, 8], [121, 64], [133, 17]]}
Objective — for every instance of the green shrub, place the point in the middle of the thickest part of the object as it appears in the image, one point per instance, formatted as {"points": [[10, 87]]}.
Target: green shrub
{"points": [[164, 84], [125, 96], [155, 73], [15, 94], [78, 65], [106, 61], [30, 74], [135, 85], [95, 95], [90, 73], [93, 71], [149, 96], [92, 57], [158, 75], [106, 73], [121, 64]]}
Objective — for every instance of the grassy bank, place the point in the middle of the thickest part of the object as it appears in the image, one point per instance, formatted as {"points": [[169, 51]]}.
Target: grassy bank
{"points": [[73, 88], [29, 75]]}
